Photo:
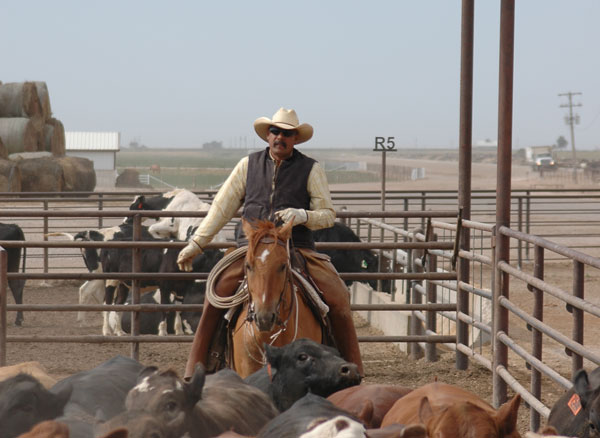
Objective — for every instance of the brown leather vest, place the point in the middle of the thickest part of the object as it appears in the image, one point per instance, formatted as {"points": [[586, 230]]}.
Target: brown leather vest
{"points": [[270, 189]]}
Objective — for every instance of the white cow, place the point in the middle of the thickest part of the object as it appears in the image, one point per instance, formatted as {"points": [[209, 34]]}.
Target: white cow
{"points": [[178, 227]]}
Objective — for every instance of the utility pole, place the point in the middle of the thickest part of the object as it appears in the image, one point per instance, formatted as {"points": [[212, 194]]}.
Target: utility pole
{"points": [[572, 120]]}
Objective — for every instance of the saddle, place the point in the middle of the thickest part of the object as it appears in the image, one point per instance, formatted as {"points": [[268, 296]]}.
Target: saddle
{"points": [[221, 349]]}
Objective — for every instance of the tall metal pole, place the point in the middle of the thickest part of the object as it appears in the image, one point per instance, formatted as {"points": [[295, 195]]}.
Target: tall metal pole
{"points": [[571, 121], [503, 187], [464, 168]]}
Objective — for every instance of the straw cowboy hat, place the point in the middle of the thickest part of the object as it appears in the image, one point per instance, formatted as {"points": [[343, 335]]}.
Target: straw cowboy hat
{"points": [[284, 119]]}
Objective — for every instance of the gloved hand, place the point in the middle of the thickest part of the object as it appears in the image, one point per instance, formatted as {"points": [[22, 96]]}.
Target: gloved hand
{"points": [[186, 255], [298, 215]]}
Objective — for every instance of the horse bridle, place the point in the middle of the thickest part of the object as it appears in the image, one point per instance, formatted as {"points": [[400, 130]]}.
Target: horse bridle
{"points": [[251, 315]]}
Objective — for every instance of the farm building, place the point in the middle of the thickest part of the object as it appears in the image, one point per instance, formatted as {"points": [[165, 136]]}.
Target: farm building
{"points": [[101, 148]]}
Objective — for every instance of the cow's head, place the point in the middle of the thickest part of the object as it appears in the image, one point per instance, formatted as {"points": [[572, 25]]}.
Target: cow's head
{"points": [[166, 396], [166, 228], [24, 402], [590, 400], [306, 366]]}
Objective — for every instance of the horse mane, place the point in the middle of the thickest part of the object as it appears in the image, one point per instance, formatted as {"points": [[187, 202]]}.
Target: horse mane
{"points": [[260, 229]]}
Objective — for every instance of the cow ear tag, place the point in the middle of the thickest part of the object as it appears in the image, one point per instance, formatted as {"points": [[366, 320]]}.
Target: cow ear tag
{"points": [[574, 404], [269, 372], [363, 264]]}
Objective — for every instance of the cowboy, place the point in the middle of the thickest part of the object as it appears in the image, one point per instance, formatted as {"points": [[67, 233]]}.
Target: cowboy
{"points": [[282, 183]]}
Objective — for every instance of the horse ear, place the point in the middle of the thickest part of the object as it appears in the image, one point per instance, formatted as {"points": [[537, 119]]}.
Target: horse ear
{"points": [[506, 417], [425, 411], [286, 231], [247, 227]]}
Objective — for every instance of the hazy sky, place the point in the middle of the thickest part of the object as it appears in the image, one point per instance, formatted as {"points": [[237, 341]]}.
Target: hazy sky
{"points": [[181, 73]]}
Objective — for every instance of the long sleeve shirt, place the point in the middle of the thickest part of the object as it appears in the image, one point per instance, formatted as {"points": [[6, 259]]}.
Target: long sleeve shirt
{"points": [[230, 198]]}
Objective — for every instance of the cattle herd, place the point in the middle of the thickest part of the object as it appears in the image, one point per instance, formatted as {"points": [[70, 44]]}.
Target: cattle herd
{"points": [[305, 389]]}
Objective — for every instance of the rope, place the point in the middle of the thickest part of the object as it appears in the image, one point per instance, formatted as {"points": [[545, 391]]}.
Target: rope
{"points": [[240, 295]]}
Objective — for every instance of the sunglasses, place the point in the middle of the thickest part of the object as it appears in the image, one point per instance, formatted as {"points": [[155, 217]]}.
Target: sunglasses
{"points": [[285, 132]]}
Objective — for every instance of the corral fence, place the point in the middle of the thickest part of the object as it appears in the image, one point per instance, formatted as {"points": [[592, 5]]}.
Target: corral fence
{"points": [[476, 317]]}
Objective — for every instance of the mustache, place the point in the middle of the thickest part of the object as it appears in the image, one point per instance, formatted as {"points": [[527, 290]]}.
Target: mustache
{"points": [[280, 143]]}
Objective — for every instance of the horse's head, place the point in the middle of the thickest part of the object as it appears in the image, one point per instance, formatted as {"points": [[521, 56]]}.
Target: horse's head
{"points": [[267, 269]]}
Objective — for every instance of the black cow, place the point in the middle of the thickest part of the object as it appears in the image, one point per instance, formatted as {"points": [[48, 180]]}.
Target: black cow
{"points": [[204, 407], [301, 367], [577, 412], [355, 260], [24, 402], [346, 261], [117, 260], [97, 394], [14, 232], [306, 415], [149, 321]]}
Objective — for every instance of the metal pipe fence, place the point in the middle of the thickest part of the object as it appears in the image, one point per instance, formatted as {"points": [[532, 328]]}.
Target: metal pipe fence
{"points": [[135, 276]]}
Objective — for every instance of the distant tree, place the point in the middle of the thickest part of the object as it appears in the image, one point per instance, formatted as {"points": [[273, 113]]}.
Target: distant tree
{"points": [[561, 142]]}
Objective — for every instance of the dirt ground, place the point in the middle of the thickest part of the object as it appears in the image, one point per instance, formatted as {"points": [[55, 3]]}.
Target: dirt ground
{"points": [[383, 363]]}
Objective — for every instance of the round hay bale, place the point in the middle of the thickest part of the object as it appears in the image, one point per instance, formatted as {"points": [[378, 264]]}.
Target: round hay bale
{"points": [[19, 99], [79, 173], [20, 134], [10, 176], [56, 143], [130, 178], [42, 91], [41, 175], [3, 151]]}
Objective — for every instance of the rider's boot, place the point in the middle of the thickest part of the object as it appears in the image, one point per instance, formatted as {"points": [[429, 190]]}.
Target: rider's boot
{"points": [[226, 285]]}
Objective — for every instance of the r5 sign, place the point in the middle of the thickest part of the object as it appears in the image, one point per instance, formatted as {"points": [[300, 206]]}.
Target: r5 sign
{"points": [[381, 144]]}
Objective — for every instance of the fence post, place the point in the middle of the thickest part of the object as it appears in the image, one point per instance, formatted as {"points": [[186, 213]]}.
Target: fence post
{"points": [[527, 221], [578, 280], [100, 208], [431, 315], [45, 238], [536, 335], [3, 292], [416, 328], [520, 227], [136, 266]]}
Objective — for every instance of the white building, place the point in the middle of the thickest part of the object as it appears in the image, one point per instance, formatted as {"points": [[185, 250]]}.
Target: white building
{"points": [[99, 147]]}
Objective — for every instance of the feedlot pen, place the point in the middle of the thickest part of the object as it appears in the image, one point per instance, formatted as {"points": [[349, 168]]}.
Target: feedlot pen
{"points": [[421, 258]]}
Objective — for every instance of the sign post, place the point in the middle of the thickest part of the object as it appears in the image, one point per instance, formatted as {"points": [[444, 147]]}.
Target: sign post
{"points": [[383, 145]]}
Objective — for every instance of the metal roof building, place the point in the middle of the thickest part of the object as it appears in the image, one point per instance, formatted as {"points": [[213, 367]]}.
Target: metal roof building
{"points": [[100, 147]]}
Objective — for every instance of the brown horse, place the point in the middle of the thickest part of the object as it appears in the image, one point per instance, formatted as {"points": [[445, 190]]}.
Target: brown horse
{"points": [[275, 312]]}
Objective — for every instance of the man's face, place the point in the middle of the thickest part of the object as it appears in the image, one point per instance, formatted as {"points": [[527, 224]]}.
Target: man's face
{"points": [[281, 142]]}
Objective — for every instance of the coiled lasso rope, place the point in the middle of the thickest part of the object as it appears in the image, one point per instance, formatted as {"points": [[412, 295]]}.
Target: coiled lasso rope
{"points": [[240, 295]]}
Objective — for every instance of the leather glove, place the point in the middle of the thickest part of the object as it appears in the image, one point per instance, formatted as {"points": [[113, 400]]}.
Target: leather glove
{"points": [[298, 215], [186, 256]]}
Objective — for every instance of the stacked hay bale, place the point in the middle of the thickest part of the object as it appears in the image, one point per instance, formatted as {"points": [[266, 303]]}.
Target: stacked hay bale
{"points": [[35, 143], [26, 122]]}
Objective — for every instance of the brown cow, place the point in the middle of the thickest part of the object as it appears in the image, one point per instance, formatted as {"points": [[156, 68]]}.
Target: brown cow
{"points": [[47, 429], [369, 403], [450, 411], [33, 368]]}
